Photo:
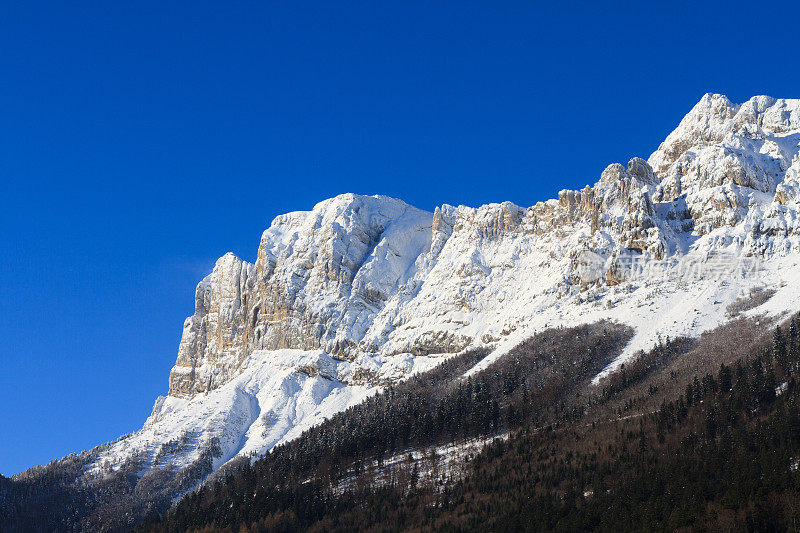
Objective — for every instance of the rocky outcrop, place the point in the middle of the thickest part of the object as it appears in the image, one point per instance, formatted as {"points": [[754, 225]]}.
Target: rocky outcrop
{"points": [[364, 290], [317, 278], [722, 155], [214, 340], [371, 276]]}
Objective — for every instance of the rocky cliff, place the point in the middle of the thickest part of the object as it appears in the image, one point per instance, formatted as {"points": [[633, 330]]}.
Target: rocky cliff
{"points": [[362, 290], [363, 275]]}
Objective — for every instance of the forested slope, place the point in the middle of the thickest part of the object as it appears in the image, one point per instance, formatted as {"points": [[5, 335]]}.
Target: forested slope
{"points": [[530, 385], [701, 433]]}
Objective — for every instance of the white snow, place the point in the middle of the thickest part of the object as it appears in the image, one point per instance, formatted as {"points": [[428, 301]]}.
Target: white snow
{"points": [[372, 280], [278, 395]]}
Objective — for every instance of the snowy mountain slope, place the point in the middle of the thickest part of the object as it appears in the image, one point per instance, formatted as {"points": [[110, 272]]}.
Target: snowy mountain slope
{"points": [[276, 396], [365, 289]]}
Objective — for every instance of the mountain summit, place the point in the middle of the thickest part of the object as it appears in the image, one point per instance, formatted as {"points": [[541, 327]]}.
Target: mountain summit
{"points": [[361, 291]]}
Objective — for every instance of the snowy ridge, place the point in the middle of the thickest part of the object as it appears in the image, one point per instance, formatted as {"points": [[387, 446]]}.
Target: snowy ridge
{"points": [[278, 395], [362, 290]]}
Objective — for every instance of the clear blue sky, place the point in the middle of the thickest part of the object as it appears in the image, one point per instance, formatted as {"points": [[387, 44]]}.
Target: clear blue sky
{"points": [[139, 141]]}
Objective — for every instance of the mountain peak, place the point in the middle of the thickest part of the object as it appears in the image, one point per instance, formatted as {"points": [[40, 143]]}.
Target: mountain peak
{"points": [[363, 290]]}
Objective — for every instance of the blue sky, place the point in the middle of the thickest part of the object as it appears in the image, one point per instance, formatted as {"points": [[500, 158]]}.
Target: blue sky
{"points": [[139, 141]]}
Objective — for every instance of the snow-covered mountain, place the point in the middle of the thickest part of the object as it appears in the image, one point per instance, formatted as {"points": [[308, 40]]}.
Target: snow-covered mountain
{"points": [[362, 290]]}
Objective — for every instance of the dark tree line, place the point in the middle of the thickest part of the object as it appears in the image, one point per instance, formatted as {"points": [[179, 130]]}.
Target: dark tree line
{"points": [[699, 434], [60, 496], [436, 406], [721, 451], [294, 482]]}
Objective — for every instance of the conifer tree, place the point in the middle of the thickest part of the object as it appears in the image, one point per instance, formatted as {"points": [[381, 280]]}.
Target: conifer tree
{"points": [[779, 351]]}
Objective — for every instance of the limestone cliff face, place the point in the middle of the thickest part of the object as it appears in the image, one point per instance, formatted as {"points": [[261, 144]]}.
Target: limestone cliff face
{"points": [[317, 279], [363, 290], [214, 340], [362, 276], [722, 155]]}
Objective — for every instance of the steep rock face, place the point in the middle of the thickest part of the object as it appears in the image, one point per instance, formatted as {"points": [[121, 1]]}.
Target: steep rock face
{"points": [[318, 279], [214, 338], [723, 157], [371, 275], [363, 290]]}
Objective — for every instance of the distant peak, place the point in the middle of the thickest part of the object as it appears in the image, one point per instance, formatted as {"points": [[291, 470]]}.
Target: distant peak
{"points": [[709, 97], [350, 197], [352, 202], [714, 105], [227, 260]]}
